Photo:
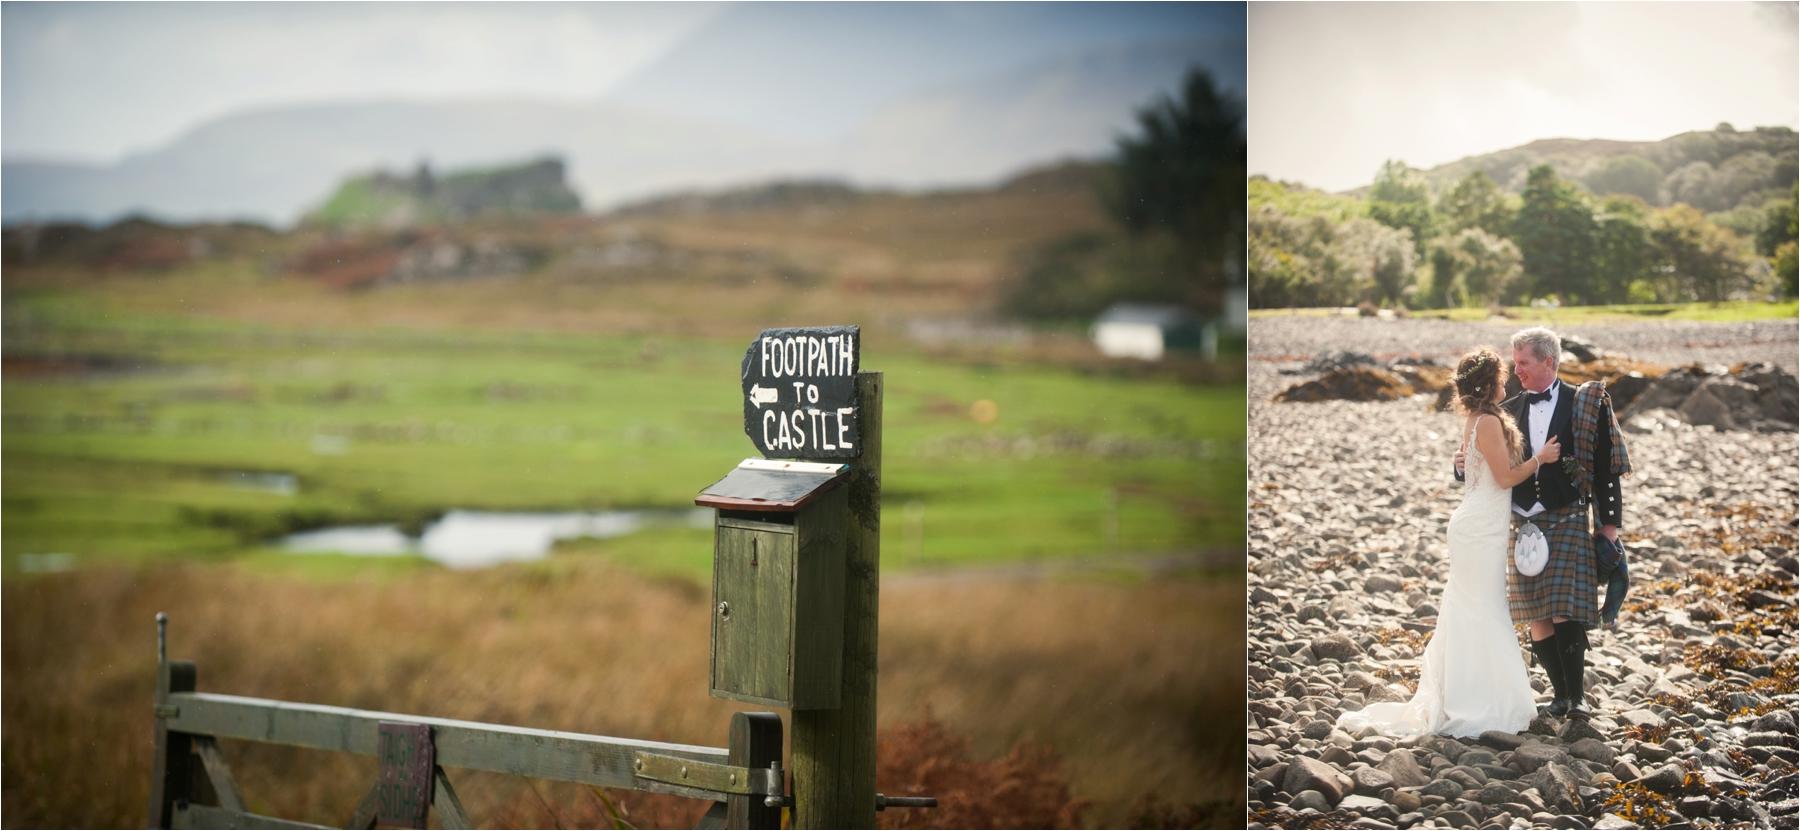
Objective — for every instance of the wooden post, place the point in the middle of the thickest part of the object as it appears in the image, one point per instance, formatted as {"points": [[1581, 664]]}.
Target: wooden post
{"points": [[755, 743], [834, 750], [172, 765]]}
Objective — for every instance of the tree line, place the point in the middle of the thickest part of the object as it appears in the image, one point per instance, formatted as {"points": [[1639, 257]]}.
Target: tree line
{"points": [[1476, 244], [1173, 195]]}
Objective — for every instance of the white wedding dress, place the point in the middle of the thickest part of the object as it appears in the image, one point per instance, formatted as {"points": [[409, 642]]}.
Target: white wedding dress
{"points": [[1472, 678]]}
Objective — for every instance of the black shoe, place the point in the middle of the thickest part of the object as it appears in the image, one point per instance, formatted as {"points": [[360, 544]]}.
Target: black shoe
{"points": [[1558, 708]]}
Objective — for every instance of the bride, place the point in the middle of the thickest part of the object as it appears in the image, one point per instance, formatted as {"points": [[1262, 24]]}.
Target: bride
{"points": [[1472, 678]]}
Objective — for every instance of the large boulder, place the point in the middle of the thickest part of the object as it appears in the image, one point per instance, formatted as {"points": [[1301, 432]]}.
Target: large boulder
{"points": [[1720, 403], [1665, 780], [1403, 769], [1534, 755], [1626, 388], [1335, 647], [1777, 395], [1580, 349], [1305, 773], [1559, 787], [1670, 390]]}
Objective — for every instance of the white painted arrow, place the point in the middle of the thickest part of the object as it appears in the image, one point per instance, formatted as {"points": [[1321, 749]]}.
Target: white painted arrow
{"points": [[760, 396]]}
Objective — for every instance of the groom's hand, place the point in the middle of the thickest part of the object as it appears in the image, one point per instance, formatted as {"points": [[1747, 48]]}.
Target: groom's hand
{"points": [[1611, 532], [1457, 461]]}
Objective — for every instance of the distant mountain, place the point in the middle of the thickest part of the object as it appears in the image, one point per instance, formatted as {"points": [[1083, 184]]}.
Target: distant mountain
{"points": [[273, 165], [1713, 170], [1055, 181]]}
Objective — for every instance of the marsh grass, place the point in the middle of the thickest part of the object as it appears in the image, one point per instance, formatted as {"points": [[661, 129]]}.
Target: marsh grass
{"points": [[396, 426], [1122, 693]]}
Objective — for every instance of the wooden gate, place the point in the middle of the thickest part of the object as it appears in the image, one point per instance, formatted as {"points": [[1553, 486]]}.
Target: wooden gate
{"points": [[192, 786]]}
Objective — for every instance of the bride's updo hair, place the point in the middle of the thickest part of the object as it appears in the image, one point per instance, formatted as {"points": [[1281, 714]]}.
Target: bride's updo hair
{"points": [[1478, 374]]}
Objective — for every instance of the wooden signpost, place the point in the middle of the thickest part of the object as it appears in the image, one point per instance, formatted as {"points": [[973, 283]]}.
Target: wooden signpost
{"points": [[834, 750], [806, 397]]}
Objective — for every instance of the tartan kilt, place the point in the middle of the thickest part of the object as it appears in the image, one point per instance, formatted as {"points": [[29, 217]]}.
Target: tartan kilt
{"points": [[1569, 585]]}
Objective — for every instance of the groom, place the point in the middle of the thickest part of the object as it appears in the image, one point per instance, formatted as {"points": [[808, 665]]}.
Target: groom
{"points": [[1559, 602]]}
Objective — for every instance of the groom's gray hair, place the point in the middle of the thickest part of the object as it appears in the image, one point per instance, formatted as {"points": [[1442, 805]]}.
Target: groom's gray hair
{"points": [[1543, 342]]}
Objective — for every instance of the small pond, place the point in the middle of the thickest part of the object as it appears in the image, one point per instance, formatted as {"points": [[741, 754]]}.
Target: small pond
{"points": [[474, 539]]}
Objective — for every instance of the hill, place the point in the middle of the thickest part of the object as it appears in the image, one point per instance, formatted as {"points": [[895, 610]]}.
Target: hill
{"points": [[1713, 170], [392, 200], [725, 256]]}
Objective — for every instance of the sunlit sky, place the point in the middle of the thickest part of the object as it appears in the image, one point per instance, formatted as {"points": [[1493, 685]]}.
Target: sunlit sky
{"points": [[1335, 89]]}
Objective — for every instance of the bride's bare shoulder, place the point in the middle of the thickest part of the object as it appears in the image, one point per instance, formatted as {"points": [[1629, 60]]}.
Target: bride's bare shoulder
{"points": [[1488, 424]]}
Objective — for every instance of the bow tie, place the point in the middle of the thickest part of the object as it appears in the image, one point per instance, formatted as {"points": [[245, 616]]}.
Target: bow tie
{"points": [[1536, 397]]}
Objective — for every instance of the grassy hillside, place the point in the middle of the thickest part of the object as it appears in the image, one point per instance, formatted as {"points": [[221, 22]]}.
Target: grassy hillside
{"points": [[536, 188], [1713, 170]]}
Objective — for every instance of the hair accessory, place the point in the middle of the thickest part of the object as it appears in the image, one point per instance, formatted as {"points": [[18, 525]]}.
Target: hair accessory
{"points": [[1481, 360]]}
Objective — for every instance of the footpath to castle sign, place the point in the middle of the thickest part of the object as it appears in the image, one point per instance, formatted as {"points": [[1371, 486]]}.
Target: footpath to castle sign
{"points": [[799, 390]]}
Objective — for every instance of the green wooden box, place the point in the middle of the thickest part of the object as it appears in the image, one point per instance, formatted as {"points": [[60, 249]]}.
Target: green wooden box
{"points": [[778, 589]]}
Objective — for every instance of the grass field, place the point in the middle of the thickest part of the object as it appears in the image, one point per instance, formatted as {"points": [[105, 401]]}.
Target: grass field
{"points": [[1703, 312], [122, 431]]}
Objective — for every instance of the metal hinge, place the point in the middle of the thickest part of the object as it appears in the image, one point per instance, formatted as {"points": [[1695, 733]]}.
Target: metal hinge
{"points": [[709, 776], [167, 711], [882, 802]]}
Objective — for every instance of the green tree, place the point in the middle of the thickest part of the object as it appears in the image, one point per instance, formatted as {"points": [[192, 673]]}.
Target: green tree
{"points": [[1778, 224], [1444, 290], [1787, 268], [1182, 175], [1177, 191], [1474, 267], [1401, 198], [1623, 252], [1634, 175], [1692, 183], [1475, 202], [1391, 261], [1309, 261], [1555, 231], [1704, 261]]}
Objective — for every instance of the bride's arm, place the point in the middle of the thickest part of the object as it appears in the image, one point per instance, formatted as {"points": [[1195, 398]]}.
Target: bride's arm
{"points": [[1492, 443]]}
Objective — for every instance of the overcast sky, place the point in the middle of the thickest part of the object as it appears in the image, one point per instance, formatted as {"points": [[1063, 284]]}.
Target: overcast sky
{"points": [[1335, 89], [90, 82]]}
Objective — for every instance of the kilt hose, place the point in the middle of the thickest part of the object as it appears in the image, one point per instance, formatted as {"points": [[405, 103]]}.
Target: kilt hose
{"points": [[1569, 585]]}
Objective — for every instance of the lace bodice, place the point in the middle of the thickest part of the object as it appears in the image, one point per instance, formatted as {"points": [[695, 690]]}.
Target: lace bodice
{"points": [[1474, 464], [1476, 475]]}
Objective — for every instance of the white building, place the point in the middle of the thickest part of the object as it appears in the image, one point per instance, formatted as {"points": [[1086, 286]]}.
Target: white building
{"points": [[1146, 331]]}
